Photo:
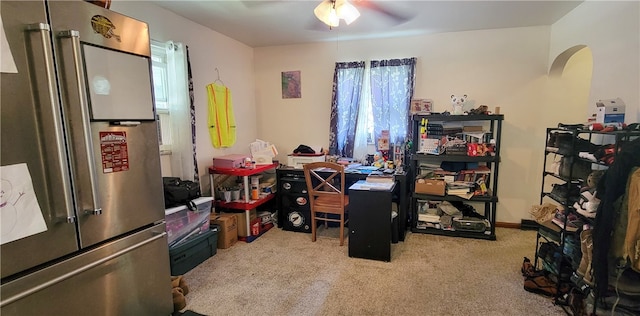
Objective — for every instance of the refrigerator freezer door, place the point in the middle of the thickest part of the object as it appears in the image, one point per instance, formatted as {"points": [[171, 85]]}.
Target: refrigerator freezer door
{"points": [[116, 164], [102, 281], [31, 133]]}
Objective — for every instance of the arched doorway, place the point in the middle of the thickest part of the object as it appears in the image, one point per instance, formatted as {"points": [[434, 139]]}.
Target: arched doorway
{"points": [[570, 77]]}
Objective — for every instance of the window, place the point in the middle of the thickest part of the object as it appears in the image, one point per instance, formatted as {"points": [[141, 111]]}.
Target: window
{"points": [[171, 77], [376, 97], [160, 87]]}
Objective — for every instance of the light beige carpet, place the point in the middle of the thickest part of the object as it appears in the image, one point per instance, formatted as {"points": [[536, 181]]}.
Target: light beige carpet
{"points": [[284, 273]]}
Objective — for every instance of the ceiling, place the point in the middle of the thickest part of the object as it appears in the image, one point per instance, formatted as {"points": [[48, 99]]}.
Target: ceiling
{"points": [[259, 23]]}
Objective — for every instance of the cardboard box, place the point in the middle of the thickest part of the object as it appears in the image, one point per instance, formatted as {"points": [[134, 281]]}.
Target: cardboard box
{"points": [[243, 231], [430, 186], [610, 111], [228, 234]]}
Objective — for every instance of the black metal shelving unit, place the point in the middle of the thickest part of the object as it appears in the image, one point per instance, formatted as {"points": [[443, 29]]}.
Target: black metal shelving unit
{"points": [[494, 124], [551, 232]]}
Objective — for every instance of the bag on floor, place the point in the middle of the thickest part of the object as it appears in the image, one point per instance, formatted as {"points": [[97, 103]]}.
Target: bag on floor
{"points": [[180, 192]]}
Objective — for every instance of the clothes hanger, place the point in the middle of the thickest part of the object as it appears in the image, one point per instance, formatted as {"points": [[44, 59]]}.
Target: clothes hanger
{"points": [[218, 79]]}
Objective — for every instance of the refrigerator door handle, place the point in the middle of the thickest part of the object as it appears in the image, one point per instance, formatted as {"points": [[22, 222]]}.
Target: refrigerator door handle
{"points": [[44, 32], [70, 274], [74, 37]]}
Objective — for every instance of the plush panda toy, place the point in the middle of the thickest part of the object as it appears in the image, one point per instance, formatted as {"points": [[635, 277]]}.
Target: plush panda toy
{"points": [[458, 104]]}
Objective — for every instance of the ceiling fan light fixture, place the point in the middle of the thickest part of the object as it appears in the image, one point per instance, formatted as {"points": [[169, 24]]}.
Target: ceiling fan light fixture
{"points": [[326, 12], [331, 11], [347, 12]]}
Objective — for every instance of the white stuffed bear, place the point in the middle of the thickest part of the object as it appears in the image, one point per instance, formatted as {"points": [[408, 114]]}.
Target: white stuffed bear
{"points": [[458, 104]]}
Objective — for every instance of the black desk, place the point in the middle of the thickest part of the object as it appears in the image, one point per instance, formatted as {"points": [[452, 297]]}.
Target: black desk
{"points": [[370, 221], [292, 193]]}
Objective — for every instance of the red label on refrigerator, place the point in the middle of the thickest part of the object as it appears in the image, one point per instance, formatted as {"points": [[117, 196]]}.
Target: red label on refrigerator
{"points": [[113, 148]]}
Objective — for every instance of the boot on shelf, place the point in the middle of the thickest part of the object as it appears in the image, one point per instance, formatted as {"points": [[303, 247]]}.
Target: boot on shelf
{"points": [[586, 245]]}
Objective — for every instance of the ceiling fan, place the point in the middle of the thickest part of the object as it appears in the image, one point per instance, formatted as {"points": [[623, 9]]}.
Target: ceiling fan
{"points": [[331, 12]]}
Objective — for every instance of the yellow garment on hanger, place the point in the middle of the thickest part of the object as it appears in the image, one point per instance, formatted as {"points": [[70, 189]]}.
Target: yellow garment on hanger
{"points": [[222, 122]]}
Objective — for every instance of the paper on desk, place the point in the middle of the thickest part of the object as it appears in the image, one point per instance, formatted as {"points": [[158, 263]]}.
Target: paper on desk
{"points": [[372, 186], [20, 213]]}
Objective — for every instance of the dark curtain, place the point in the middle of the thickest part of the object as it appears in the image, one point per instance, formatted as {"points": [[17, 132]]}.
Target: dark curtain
{"points": [[347, 84], [192, 110]]}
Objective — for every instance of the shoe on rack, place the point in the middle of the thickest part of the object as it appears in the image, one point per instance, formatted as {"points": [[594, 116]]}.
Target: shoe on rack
{"points": [[572, 221], [542, 213], [587, 204]]}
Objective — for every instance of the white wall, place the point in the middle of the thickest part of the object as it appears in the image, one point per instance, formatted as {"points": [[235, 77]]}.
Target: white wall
{"points": [[494, 67], [208, 50], [611, 29], [504, 67]]}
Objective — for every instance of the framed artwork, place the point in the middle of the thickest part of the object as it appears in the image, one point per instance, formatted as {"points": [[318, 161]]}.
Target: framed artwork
{"points": [[421, 106], [291, 85]]}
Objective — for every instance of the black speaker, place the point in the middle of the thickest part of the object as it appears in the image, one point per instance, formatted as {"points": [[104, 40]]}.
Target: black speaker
{"points": [[296, 201], [297, 220], [292, 185]]}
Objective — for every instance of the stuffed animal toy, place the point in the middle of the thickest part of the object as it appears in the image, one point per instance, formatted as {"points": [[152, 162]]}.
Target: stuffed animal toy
{"points": [[378, 160], [458, 104]]}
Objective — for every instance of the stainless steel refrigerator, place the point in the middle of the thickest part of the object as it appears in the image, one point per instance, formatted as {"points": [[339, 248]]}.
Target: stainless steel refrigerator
{"points": [[82, 208]]}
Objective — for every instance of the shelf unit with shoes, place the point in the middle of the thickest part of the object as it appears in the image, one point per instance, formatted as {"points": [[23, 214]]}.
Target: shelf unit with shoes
{"points": [[575, 160]]}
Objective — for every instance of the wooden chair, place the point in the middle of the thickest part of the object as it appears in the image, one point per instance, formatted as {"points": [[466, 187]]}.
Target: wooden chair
{"points": [[326, 188]]}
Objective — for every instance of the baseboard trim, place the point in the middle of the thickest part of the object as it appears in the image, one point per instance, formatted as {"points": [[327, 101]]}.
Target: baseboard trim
{"points": [[508, 225]]}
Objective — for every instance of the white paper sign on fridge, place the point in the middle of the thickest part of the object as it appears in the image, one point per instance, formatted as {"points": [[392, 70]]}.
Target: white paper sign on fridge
{"points": [[20, 213], [6, 58]]}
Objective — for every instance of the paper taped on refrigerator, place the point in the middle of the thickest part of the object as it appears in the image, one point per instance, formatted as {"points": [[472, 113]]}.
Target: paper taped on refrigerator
{"points": [[19, 209]]}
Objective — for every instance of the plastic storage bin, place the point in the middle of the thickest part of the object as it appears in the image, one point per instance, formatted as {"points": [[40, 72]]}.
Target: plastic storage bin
{"points": [[194, 251], [183, 223]]}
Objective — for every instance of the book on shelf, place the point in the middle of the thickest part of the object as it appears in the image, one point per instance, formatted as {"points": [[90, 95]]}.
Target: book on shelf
{"points": [[473, 175], [458, 191]]}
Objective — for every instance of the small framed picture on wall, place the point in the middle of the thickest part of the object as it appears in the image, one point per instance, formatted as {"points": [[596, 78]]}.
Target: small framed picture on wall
{"points": [[291, 85], [421, 106]]}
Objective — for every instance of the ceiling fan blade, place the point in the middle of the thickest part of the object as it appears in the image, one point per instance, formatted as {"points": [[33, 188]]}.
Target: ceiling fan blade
{"points": [[396, 16]]}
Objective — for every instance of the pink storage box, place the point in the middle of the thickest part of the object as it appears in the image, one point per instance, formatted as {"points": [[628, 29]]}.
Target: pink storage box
{"points": [[229, 161]]}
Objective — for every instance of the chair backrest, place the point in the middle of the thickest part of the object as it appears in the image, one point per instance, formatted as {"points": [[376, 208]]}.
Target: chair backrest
{"points": [[326, 186]]}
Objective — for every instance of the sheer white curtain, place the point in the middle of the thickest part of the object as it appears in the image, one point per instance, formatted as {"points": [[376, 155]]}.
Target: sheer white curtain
{"points": [[182, 164], [360, 148]]}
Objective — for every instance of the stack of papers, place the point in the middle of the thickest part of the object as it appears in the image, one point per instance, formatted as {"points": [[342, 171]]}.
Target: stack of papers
{"points": [[372, 186]]}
